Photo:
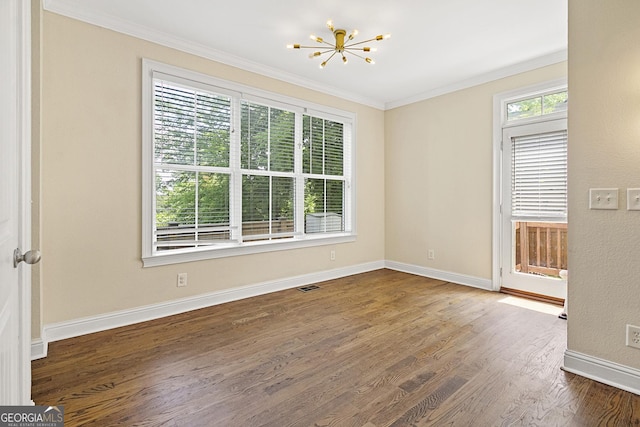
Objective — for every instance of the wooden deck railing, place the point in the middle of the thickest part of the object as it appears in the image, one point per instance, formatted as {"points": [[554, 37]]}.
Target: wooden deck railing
{"points": [[541, 247]]}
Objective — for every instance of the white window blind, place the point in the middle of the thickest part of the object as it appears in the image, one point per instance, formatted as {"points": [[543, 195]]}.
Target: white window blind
{"points": [[230, 170], [192, 131], [539, 177], [268, 180], [323, 168]]}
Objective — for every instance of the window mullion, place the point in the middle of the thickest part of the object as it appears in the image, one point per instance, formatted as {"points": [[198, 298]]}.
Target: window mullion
{"points": [[197, 174], [348, 176], [299, 178], [324, 171], [196, 211], [270, 189], [235, 190], [270, 204]]}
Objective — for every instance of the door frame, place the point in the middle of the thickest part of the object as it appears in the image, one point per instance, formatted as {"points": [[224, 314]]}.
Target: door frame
{"points": [[500, 101], [23, 127]]}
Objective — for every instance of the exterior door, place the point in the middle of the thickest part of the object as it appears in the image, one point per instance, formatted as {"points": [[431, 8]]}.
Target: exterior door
{"points": [[15, 293], [534, 208]]}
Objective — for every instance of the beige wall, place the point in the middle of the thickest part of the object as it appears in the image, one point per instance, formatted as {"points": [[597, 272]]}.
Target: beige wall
{"points": [[439, 177], [604, 151], [91, 180]]}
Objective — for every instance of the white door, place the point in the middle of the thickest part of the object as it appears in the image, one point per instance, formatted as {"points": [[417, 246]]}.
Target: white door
{"points": [[534, 208], [15, 316]]}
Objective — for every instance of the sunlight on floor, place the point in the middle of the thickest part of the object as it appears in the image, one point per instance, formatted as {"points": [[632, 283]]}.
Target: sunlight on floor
{"points": [[532, 305]]}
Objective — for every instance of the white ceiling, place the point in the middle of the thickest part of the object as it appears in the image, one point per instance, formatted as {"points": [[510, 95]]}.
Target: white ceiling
{"points": [[436, 46]]}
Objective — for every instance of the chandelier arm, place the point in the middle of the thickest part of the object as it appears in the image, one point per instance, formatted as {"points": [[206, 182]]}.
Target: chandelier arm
{"points": [[362, 42], [359, 49], [327, 43], [316, 47], [355, 54], [320, 53], [332, 55], [367, 60]]}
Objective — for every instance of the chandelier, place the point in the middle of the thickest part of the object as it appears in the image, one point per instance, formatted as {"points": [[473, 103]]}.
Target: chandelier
{"points": [[341, 46]]}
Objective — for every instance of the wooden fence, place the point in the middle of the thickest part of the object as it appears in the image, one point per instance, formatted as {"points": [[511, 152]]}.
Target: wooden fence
{"points": [[541, 247]]}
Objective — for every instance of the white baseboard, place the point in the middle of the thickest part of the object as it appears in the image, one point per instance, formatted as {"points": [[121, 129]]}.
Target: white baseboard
{"points": [[460, 279], [76, 327], [604, 371], [38, 348]]}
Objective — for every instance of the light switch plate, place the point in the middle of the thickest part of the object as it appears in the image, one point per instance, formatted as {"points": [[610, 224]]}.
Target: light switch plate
{"points": [[633, 199], [603, 198]]}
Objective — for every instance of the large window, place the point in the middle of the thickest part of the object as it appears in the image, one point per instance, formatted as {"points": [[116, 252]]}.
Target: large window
{"points": [[230, 170]]}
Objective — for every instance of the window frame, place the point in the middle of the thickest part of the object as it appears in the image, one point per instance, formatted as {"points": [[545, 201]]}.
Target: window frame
{"points": [[527, 94], [239, 92]]}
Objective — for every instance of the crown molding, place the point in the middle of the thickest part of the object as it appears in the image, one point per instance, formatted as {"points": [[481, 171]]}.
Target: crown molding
{"points": [[76, 11], [500, 73]]}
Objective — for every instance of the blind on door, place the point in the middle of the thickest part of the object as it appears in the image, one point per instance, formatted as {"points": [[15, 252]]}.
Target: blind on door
{"points": [[539, 177]]}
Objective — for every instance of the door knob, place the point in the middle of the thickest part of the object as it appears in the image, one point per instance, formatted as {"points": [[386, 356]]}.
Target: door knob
{"points": [[29, 257]]}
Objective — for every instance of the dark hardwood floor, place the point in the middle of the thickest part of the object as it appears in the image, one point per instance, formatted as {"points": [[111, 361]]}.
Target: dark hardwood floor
{"points": [[377, 349]]}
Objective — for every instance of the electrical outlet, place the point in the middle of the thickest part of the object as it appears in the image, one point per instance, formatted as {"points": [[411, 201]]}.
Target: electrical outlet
{"points": [[431, 254], [182, 280], [633, 336], [332, 255]]}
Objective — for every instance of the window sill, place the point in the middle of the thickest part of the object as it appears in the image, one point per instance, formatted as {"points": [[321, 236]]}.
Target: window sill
{"points": [[245, 249]]}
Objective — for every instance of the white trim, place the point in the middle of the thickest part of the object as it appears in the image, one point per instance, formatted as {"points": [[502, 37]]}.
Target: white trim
{"points": [[247, 249], [23, 114], [461, 279], [497, 193], [88, 325], [204, 81], [153, 69], [38, 348], [171, 41], [604, 371], [501, 73]]}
